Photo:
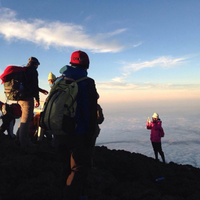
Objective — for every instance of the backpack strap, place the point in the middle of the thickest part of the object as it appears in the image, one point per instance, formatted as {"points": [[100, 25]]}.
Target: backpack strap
{"points": [[81, 79], [76, 81]]}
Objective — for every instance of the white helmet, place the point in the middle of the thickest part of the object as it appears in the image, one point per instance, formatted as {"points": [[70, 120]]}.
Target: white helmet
{"points": [[155, 115]]}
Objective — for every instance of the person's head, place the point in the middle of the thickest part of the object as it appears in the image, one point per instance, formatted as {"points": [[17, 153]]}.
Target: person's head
{"points": [[32, 61], [80, 59], [51, 78], [155, 117]]}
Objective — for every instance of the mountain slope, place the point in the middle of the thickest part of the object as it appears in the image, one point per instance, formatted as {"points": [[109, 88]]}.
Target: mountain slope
{"points": [[116, 175]]}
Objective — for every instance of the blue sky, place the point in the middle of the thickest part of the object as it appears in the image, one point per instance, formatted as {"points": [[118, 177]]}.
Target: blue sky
{"points": [[147, 49]]}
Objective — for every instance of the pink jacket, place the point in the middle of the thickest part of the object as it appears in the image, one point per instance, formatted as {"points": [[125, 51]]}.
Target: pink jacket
{"points": [[156, 131]]}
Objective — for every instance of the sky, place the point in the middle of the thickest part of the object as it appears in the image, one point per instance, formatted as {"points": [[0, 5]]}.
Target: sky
{"points": [[145, 50]]}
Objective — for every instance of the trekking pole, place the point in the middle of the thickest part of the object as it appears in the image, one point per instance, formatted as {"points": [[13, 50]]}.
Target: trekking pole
{"points": [[40, 134]]}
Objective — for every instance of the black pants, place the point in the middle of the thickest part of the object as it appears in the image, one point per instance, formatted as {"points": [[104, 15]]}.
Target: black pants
{"points": [[6, 120], [157, 147], [76, 161]]}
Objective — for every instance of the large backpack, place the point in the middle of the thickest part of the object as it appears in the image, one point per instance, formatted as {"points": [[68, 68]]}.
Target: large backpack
{"points": [[59, 112], [13, 78], [100, 116], [13, 109]]}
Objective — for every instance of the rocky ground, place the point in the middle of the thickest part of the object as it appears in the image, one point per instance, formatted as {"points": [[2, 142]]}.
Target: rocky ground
{"points": [[117, 175]]}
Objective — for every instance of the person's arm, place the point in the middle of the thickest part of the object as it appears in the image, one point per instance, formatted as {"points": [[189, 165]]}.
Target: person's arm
{"points": [[162, 132], [149, 126], [45, 92]]}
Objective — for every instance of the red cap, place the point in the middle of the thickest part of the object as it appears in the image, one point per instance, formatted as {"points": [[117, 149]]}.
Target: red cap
{"points": [[80, 57]]}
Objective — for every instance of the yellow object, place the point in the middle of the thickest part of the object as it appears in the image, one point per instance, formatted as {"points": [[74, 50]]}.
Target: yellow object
{"points": [[51, 76]]}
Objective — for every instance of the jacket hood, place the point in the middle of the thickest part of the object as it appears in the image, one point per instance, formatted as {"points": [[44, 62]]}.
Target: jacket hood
{"points": [[73, 72]]}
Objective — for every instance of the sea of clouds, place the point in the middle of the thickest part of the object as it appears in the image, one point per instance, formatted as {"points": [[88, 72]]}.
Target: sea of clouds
{"points": [[124, 128]]}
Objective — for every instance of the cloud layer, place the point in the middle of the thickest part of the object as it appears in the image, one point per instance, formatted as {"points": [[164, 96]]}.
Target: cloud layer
{"points": [[55, 33]]}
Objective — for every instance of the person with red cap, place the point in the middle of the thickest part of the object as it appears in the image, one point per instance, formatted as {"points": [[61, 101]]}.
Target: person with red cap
{"points": [[74, 148]]}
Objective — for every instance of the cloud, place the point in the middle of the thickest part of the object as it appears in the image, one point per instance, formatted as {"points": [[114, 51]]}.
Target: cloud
{"points": [[55, 33], [129, 68], [120, 84], [163, 62], [136, 45]]}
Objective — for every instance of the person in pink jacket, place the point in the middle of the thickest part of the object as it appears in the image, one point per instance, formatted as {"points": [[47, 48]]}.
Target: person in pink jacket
{"points": [[156, 133]]}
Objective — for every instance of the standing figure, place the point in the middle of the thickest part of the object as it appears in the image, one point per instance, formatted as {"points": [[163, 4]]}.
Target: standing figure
{"points": [[51, 79], [27, 104], [8, 119], [156, 133], [74, 147]]}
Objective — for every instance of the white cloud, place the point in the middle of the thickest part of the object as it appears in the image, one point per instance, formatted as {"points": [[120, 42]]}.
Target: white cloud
{"points": [[136, 45], [116, 32], [120, 84], [163, 62], [118, 79], [55, 33]]}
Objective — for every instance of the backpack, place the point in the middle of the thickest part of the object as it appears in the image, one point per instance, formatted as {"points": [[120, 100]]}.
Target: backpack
{"points": [[13, 109], [13, 78], [59, 112], [16, 110], [100, 116]]}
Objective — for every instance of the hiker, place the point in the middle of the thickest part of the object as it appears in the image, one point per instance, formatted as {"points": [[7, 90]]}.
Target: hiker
{"points": [[156, 133], [51, 79], [8, 120], [74, 147], [27, 104]]}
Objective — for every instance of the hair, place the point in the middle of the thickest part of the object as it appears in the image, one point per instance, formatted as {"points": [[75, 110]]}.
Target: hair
{"points": [[80, 65], [31, 64], [32, 61]]}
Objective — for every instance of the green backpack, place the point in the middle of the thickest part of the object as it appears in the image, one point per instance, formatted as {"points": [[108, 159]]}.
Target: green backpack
{"points": [[58, 116]]}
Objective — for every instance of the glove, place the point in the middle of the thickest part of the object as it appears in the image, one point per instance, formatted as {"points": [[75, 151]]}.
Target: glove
{"points": [[37, 104]]}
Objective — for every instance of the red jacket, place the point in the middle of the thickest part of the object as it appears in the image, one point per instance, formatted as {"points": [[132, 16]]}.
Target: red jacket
{"points": [[156, 131]]}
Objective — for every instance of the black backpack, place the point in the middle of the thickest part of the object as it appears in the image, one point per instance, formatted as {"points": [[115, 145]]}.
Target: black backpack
{"points": [[100, 116]]}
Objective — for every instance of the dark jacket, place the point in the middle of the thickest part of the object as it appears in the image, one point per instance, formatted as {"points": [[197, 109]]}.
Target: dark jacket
{"points": [[86, 111], [31, 82]]}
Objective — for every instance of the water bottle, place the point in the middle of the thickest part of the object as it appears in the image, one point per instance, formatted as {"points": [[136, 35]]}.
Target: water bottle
{"points": [[21, 86], [160, 179]]}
